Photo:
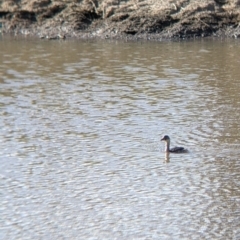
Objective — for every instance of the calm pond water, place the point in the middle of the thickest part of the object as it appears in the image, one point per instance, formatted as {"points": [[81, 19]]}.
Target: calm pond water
{"points": [[80, 130]]}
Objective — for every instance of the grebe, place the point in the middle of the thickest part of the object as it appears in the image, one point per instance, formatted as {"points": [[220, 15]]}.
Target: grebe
{"points": [[166, 138]]}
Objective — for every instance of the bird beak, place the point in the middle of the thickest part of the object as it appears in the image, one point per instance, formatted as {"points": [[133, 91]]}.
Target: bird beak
{"points": [[162, 139]]}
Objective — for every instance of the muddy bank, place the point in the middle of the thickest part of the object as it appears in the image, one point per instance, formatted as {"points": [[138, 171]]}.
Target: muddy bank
{"points": [[121, 19]]}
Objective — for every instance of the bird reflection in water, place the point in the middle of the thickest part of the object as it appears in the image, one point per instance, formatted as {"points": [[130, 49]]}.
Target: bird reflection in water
{"points": [[167, 157]]}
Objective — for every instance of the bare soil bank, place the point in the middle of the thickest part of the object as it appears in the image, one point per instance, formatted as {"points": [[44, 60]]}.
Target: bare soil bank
{"points": [[121, 19]]}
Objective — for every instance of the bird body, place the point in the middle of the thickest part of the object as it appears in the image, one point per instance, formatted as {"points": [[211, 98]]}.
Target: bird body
{"points": [[166, 138]]}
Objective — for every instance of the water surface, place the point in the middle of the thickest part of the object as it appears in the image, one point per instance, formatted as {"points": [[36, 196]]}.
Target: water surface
{"points": [[80, 128]]}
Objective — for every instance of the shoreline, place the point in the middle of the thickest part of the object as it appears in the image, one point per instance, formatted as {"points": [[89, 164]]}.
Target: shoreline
{"points": [[121, 20]]}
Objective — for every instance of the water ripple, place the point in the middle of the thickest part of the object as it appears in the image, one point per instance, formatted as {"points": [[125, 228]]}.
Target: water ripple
{"points": [[81, 155]]}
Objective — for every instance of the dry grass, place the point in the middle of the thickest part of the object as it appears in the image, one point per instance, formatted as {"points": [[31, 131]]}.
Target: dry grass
{"points": [[109, 7], [9, 5], [153, 7]]}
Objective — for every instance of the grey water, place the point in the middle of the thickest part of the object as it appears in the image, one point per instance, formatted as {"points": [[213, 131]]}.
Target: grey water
{"points": [[80, 129]]}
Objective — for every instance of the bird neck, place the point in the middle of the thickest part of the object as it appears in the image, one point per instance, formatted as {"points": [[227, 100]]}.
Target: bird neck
{"points": [[167, 146]]}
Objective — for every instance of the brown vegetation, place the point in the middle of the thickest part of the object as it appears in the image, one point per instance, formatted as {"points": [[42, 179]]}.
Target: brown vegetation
{"points": [[121, 18]]}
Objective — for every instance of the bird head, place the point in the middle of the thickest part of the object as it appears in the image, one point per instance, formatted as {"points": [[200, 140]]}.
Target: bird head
{"points": [[165, 138]]}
